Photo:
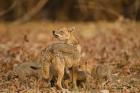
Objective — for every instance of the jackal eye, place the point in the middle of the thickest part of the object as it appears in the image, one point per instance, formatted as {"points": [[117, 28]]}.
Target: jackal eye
{"points": [[61, 32]]}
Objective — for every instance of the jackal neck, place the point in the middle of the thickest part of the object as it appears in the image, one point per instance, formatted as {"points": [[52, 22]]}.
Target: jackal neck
{"points": [[74, 42]]}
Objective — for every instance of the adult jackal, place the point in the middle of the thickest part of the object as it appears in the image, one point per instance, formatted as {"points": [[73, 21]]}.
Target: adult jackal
{"points": [[62, 55]]}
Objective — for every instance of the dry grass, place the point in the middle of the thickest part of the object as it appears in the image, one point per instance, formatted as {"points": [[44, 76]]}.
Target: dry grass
{"points": [[115, 44]]}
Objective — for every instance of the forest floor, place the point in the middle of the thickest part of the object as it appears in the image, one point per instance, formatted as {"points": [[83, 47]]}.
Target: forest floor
{"points": [[115, 43]]}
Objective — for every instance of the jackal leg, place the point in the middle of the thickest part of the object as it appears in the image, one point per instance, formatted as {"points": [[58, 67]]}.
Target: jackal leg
{"points": [[60, 72], [74, 77], [59, 67], [45, 70]]}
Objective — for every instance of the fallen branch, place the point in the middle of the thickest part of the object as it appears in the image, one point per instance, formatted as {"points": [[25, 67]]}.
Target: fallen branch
{"points": [[32, 12], [4, 12]]}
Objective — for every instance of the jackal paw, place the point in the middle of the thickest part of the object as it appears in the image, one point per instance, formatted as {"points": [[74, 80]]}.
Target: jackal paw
{"points": [[65, 91]]}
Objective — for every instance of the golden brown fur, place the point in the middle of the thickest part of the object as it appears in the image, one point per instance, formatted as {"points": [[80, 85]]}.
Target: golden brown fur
{"points": [[64, 54]]}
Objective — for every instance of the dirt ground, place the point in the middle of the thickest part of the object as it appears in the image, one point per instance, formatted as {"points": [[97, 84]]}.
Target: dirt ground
{"points": [[116, 44]]}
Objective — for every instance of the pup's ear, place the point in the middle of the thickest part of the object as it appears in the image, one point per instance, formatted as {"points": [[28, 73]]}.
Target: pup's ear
{"points": [[72, 29]]}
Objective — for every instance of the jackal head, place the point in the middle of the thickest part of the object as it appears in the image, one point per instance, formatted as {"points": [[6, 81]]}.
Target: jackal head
{"points": [[66, 35]]}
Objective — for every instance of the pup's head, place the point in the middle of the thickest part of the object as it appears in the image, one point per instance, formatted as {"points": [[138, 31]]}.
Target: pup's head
{"points": [[63, 33]]}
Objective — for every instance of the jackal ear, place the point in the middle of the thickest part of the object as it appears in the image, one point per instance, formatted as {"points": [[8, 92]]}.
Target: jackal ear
{"points": [[53, 32], [72, 29]]}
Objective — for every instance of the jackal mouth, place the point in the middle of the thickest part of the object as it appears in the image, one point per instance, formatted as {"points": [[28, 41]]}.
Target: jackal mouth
{"points": [[55, 35]]}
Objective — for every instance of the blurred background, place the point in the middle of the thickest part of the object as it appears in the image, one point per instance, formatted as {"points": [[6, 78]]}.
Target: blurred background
{"points": [[73, 10], [108, 31]]}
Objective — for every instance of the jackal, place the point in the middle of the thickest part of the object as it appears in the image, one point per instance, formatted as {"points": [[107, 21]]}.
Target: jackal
{"points": [[62, 55], [26, 69]]}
